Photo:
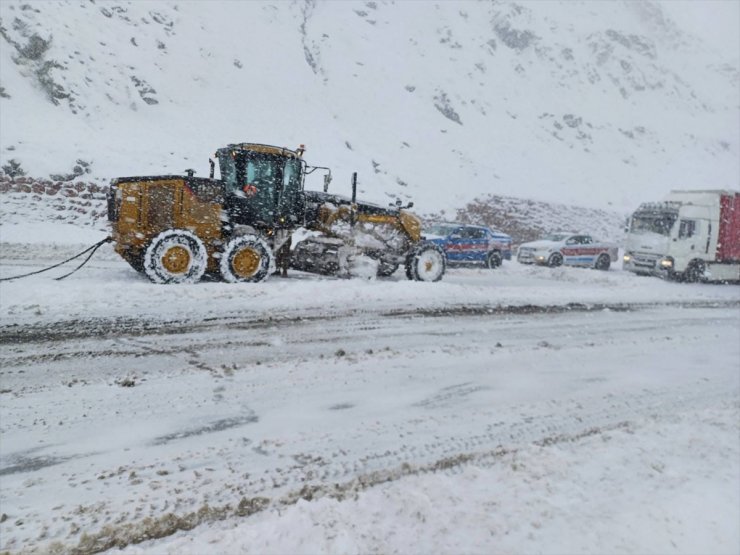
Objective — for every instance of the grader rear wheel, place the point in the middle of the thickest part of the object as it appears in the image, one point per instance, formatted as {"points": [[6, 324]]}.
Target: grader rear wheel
{"points": [[246, 258], [175, 256]]}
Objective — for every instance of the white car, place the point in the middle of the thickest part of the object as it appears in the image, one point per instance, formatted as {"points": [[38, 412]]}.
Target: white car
{"points": [[572, 249]]}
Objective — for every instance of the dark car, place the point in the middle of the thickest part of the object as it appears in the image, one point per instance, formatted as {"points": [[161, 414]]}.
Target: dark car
{"points": [[470, 244]]}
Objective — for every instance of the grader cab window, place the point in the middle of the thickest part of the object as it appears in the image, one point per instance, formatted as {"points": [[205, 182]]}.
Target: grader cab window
{"points": [[292, 174], [261, 172], [227, 165], [264, 188], [246, 173]]}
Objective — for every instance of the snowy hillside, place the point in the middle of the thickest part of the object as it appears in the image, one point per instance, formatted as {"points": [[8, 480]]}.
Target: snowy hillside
{"points": [[577, 102]]}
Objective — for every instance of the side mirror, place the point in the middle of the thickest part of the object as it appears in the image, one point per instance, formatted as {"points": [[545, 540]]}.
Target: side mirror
{"points": [[327, 180]]}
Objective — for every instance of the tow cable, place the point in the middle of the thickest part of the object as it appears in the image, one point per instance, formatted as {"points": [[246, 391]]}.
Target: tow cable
{"points": [[90, 249]]}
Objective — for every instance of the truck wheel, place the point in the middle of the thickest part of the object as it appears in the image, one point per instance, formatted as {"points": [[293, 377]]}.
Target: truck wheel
{"points": [[246, 258], [603, 262], [175, 256], [555, 260], [695, 271], [426, 262], [493, 260]]}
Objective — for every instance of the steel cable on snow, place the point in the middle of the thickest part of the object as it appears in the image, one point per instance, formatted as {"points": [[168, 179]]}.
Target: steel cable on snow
{"points": [[90, 249]]}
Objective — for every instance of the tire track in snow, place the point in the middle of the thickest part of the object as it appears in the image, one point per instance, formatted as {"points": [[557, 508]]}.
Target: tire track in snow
{"points": [[121, 327], [445, 427], [392, 466]]}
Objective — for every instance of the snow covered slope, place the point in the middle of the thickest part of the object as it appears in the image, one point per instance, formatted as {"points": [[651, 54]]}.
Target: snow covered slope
{"points": [[580, 102]]}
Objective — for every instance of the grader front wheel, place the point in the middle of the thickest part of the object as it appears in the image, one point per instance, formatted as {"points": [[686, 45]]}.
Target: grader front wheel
{"points": [[426, 262]]}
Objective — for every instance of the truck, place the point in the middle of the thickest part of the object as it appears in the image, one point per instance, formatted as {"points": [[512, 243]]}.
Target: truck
{"points": [[470, 244], [691, 235]]}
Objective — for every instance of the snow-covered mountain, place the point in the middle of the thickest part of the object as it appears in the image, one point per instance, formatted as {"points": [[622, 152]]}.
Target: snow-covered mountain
{"points": [[602, 104]]}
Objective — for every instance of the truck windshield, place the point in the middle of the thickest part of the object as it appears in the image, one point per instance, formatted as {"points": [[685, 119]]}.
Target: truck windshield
{"points": [[555, 237], [660, 223], [440, 230]]}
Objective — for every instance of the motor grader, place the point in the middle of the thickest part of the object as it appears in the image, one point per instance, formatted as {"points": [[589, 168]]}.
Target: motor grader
{"points": [[178, 228]]}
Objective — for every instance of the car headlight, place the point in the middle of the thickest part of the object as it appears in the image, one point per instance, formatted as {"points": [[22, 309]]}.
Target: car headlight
{"points": [[627, 257]]}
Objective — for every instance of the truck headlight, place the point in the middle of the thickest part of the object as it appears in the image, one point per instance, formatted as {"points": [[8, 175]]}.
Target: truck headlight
{"points": [[627, 258], [666, 263]]}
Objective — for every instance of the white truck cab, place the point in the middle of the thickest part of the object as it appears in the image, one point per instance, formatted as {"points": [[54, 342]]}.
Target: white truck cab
{"points": [[693, 235]]}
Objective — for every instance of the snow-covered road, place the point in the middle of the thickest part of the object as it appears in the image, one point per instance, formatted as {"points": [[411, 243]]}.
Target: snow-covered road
{"points": [[584, 404]]}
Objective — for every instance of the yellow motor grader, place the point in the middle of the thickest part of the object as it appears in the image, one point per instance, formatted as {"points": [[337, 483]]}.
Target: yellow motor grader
{"points": [[175, 229]]}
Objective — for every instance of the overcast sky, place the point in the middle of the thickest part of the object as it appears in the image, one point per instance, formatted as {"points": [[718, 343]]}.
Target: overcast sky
{"points": [[716, 21]]}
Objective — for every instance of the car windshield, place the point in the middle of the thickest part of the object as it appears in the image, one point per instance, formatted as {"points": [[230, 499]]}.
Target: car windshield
{"points": [[440, 229], [555, 237], [653, 222]]}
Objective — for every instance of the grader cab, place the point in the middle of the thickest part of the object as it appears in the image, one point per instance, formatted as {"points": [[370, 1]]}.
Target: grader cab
{"points": [[175, 229]]}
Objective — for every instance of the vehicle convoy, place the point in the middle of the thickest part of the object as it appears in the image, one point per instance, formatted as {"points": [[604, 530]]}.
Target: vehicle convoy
{"points": [[571, 249], [690, 235], [470, 244], [175, 228]]}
